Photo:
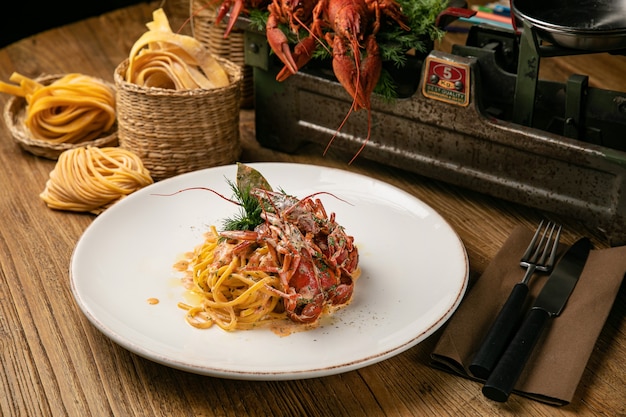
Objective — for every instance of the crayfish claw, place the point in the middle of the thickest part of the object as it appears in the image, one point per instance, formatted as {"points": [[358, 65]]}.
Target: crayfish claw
{"points": [[235, 7], [302, 53], [287, 58], [279, 44]]}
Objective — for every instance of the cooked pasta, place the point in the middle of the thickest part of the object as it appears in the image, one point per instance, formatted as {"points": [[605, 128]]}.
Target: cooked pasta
{"points": [[90, 179], [75, 108], [231, 296]]}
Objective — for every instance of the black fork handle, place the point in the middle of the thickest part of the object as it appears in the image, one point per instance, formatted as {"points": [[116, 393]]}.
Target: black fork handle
{"points": [[500, 333], [502, 380]]}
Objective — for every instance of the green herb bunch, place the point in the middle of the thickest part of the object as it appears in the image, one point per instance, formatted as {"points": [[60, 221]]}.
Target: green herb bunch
{"points": [[249, 215]]}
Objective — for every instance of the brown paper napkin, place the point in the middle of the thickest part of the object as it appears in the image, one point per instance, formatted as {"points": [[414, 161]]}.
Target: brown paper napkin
{"points": [[554, 369]]}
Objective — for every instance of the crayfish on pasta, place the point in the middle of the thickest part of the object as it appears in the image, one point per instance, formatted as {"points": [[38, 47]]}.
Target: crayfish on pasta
{"points": [[295, 240], [313, 256]]}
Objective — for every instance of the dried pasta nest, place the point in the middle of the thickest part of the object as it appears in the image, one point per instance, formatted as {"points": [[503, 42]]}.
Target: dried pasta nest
{"points": [[15, 113], [178, 131]]}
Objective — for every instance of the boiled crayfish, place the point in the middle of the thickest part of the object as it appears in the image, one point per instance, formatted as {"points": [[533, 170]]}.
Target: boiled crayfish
{"points": [[349, 27], [346, 28]]}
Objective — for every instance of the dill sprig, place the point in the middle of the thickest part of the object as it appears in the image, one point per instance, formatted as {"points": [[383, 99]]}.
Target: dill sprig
{"points": [[421, 17], [386, 86], [249, 215], [258, 19]]}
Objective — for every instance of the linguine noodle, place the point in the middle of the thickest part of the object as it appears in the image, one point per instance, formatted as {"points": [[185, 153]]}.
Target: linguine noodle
{"points": [[232, 296]]}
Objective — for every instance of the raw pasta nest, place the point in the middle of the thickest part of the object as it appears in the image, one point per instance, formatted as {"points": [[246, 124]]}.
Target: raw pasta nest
{"points": [[91, 179], [72, 109]]}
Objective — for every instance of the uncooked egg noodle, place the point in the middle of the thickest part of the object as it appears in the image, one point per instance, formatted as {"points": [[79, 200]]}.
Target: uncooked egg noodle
{"points": [[90, 179]]}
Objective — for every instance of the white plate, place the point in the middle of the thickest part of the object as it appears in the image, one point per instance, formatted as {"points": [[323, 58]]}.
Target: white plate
{"points": [[414, 275]]}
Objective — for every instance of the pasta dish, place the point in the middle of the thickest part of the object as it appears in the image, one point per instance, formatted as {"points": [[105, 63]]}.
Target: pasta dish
{"points": [[282, 259]]}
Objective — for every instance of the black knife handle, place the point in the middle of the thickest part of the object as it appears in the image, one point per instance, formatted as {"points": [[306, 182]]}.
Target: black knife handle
{"points": [[500, 333], [503, 378]]}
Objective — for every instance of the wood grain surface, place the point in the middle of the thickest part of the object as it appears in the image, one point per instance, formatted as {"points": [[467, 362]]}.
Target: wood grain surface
{"points": [[55, 363]]}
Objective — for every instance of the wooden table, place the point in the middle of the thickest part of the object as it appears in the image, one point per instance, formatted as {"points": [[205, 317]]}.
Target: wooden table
{"points": [[54, 362]]}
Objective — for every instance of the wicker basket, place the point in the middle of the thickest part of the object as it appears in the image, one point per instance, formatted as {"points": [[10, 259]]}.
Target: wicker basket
{"points": [[179, 131], [205, 30], [15, 114]]}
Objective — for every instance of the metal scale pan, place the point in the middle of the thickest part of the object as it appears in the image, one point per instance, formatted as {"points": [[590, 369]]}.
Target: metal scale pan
{"points": [[590, 25], [570, 28]]}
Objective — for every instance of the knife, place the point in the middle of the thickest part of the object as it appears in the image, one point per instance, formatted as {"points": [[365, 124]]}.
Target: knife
{"points": [[549, 304]]}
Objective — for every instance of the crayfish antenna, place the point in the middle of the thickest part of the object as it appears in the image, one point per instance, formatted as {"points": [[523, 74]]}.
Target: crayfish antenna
{"points": [[371, 74], [198, 188], [369, 117], [343, 122], [369, 133], [367, 138], [354, 107]]}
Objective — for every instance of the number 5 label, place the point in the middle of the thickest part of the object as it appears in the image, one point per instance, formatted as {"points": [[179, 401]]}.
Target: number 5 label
{"points": [[446, 81]]}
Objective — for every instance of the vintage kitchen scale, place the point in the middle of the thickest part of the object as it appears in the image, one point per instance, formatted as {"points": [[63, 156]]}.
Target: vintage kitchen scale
{"points": [[480, 117]]}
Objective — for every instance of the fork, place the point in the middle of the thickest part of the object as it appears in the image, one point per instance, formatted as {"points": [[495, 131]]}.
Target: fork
{"points": [[539, 256]]}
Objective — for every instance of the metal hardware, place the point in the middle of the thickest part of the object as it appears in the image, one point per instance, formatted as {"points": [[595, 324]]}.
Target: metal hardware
{"points": [[478, 145]]}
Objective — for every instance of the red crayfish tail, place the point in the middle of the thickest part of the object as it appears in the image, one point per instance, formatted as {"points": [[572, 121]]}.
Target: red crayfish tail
{"points": [[309, 313], [345, 69], [370, 73], [342, 294]]}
